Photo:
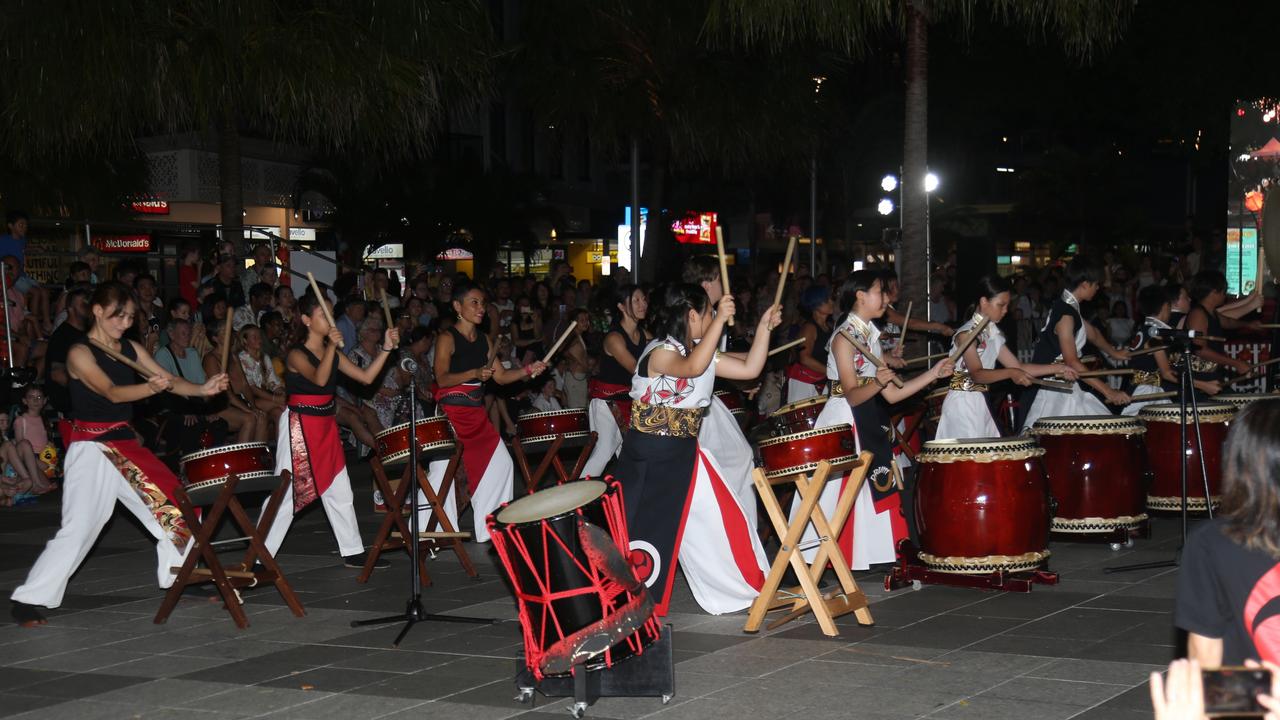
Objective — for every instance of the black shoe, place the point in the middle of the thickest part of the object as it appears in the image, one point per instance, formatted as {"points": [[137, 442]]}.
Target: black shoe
{"points": [[357, 561], [27, 615]]}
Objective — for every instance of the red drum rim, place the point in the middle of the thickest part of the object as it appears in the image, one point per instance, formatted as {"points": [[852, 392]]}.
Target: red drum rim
{"points": [[552, 413], [548, 438], [421, 421], [1088, 425], [550, 503], [838, 461], [217, 482], [982, 450], [1211, 413], [211, 452], [424, 447]]}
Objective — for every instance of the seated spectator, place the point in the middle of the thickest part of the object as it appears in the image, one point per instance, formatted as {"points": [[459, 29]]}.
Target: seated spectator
{"points": [[264, 384]]}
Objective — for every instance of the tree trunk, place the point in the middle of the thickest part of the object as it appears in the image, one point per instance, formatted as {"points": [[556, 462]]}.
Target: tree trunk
{"points": [[659, 253], [915, 159], [230, 182]]}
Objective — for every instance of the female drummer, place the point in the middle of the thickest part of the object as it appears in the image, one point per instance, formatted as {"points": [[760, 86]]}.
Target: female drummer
{"points": [[663, 467], [610, 408], [463, 364], [807, 376], [1153, 372], [965, 413], [893, 321], [1208, 293], [307, 442], [104, 462], [877, 523], [1063, 337]]}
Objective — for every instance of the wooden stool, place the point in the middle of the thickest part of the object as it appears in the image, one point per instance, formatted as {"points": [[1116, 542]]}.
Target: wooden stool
{"points": [[220, 499], [550, 452], [438, 531], [848, 598]]}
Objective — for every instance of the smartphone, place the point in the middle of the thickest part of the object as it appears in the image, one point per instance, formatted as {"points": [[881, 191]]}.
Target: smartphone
{"points": [[1234, 691]]}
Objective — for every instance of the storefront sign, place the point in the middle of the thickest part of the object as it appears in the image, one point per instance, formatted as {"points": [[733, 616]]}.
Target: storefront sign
{"points": [[298, 234], [122, 243], [390, 251], [696, 228], [150, 207]]}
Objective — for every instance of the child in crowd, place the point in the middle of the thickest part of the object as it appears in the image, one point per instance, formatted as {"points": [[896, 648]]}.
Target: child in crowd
{"points": [[32, 435], [22, 479], [547, 397]]}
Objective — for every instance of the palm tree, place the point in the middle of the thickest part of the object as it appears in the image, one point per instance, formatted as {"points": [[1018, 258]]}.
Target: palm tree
{"points": [[374, 79], [1082, 26]]}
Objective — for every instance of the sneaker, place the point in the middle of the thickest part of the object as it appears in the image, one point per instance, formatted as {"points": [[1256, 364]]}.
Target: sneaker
{"points": [[357, 561]]}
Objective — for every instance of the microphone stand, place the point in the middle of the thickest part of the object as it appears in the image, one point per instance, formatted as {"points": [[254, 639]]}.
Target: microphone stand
{"points": [[1186, 390], [414, 612]]}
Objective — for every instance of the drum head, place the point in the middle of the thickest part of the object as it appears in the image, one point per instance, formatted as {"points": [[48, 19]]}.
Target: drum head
{"points": [[551, 502]]}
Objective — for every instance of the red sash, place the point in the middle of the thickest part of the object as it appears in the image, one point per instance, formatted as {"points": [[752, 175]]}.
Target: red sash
{"points": [[316, 447], [472, 427], [150, 478], [796, 371]]}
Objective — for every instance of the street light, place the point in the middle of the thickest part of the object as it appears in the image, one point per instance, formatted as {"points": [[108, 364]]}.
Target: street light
{"points": [[930, 182], [889, 183], [885, 207]]}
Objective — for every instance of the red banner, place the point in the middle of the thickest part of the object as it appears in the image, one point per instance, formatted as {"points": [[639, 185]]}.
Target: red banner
{"points": [[123, 243], [696, 228]]}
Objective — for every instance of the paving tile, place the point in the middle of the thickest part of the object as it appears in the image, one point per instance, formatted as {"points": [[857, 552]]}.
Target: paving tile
{"points": [[706, 642], [1031, 645], [996, 708], [329, 679], [1096, 671], [80, 685], [1079, 624], [346, 707], [83, 710], [392, 661], [18, 704], [1024, 605], [162, 666], [945, 631], [1128, 652], [164, 692], [254, 700], [1063, 692], [86, 660], [14, 678]]}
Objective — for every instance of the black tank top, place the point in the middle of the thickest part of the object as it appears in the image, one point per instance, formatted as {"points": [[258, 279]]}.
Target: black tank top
{"points": [[819, 351], [610, 370], [88, 405], [468, 354], [1047, 349], [296, 384]]}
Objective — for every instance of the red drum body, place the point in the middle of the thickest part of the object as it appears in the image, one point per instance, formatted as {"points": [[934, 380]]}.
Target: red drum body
{"points": [[1165, 454], [798, 416], [982, 505], [545, 426], [435, 436], [801, 452], [1097, 469], [559, 589], [733, 400], [214, 466]]}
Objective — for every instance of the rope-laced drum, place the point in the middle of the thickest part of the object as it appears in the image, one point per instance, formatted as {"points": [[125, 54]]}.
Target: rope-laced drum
{"points": [[1097, 467], [982, 505], [434, 434]]}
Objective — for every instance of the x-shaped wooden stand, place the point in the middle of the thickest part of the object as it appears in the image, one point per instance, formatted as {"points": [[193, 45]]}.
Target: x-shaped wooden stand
{"points": [[550, 451], [825, 608], [203, 529], [438, 531]]}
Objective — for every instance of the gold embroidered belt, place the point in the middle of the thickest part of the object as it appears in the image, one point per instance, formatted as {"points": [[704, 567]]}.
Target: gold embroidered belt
{"points": [[837, 389], [1143, 377], [666, 420], [962, 382]]}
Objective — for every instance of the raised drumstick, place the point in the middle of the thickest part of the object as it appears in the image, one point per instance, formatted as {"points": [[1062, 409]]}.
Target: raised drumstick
{"points": [[724, 269], [973, 335], [324, 305], [386, 309], [786, 269], [226, 340], [563, 336], [906, 322], [117, 355]]}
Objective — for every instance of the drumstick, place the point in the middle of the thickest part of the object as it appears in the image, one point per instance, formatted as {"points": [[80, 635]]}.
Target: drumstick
{"points": [[788, 346], [906, 321], [324, 305], [563, 336], [226, 340], [1246, 374], [386, 310], [1269, 326], [1155, 396], [786, 269], [925, 358], [866, 352], [1146, 351], [1053, 384], [1105, 373], [119, 356], [724, 269], [973, 335]]}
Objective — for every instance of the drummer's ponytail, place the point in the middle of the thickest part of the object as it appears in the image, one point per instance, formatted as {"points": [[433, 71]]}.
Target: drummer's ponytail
{"points": [[672, 318]]}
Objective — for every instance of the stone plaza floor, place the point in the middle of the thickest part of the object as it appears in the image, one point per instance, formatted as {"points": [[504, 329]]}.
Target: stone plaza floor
{"points": [[1081, 649]]}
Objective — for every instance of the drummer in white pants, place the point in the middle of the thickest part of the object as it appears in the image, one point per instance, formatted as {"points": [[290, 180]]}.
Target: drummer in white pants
{"points": [[610, 408]]}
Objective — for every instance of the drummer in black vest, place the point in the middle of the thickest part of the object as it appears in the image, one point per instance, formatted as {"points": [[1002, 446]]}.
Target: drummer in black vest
{"points": [[1154, 371], [609, 409], [1208, 293], [105, 463], [307, 443]]}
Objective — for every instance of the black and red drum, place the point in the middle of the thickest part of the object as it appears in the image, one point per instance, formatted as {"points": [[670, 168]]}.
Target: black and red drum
{"points": [[798, 416], [545, 426], [1097, 470], [434, 434], [559, 589], [982, 505], [1165, 454], [788, 455], [215, 465]]}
